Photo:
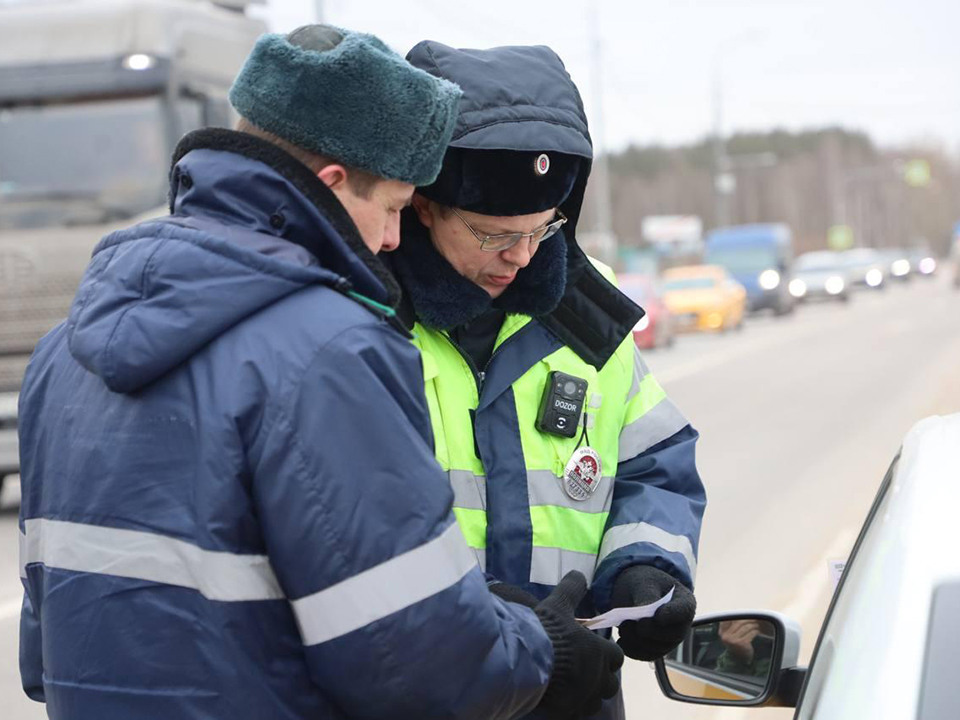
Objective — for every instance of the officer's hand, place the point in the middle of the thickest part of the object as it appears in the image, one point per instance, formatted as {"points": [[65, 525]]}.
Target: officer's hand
{"points": [[585, 665], [652, 638]]}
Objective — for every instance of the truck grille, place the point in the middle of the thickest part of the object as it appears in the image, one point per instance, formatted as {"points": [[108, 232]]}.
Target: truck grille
{"points": [[11, 371], [29, 310]]}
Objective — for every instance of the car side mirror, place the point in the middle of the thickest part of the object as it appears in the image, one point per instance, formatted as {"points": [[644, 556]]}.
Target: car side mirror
{"points": [[742, 659]]}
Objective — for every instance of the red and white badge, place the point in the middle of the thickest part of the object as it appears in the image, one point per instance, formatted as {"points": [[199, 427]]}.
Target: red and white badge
{"points": [[543, 164], [582, 475]]}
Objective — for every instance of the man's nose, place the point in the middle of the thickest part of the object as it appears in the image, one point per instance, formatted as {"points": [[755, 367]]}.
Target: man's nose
{"points": [[391, 234], [520, 254]]}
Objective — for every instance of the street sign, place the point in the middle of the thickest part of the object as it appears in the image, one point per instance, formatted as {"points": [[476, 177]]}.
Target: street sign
{"points": [[840, 237], [671, 228]]}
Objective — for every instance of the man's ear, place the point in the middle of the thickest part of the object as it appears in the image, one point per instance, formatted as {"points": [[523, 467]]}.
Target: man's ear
{"points": [[424, 209], [333, 176]]}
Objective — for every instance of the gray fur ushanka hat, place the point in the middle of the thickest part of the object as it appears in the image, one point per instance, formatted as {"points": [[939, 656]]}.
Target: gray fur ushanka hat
{"points": [[358, 102]]}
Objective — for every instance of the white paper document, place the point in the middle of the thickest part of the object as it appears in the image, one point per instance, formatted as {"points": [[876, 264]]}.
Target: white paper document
{"points": [[616, 616]]}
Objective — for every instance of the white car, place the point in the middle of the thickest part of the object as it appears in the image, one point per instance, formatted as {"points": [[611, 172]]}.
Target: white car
{"points": [[889, 647], [823, 274], [866, 267]]}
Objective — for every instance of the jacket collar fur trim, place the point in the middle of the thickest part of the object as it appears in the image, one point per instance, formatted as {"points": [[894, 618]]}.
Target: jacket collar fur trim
{"points": [[441, 298]]}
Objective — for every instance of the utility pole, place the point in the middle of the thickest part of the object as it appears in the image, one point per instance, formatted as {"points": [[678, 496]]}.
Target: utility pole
{"points": [[318, 11], [601, 168], [723, 181]]}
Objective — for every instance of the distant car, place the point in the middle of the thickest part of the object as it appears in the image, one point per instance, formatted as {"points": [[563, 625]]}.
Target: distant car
{"points": [[704, 297], [759, 258], [820, 275], [655, 329], [898, 263], [922, 261], [866, 268], [888, 645]]}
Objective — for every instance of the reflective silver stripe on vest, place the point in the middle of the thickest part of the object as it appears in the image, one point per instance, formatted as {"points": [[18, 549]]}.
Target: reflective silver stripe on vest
{"points": [[623, 535], [640, 371], [549, 565], [469, 490], [481, 555], [660, 422], [222, 576], [385, 589], [545, 488]]}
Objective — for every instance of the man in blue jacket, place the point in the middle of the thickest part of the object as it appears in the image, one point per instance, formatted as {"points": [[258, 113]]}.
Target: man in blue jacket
{"points": [[563, 451], [230, 504]]}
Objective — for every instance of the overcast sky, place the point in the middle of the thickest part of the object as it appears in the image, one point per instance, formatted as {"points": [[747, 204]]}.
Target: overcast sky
{"points": [[889, 67]]}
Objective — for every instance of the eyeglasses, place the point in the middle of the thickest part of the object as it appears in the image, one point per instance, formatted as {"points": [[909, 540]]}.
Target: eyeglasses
{"points": [[505, 241]]}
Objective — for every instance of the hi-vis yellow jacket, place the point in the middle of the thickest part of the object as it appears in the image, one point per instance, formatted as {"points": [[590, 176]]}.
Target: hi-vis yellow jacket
{"points": [[508, 477]]}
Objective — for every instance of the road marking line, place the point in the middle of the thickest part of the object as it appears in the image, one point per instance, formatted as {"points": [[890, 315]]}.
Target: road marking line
{"points": [[10, 608]]}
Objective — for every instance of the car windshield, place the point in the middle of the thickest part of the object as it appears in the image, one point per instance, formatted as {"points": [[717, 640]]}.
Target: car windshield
{"points": [[692, 283], [817, 261], [856, 257], [81, 162], [743, 259]]}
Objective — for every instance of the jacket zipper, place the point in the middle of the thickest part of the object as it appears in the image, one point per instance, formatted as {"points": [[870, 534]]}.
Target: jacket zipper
{"points": [[479, 376]]}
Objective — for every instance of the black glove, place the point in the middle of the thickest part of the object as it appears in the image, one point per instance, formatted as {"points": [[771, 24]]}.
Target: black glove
{"points": [[652, 638], [511, 593], [585, 665]]}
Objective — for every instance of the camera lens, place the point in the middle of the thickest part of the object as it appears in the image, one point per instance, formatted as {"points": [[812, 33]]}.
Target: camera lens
{"points": [[569, 388]]}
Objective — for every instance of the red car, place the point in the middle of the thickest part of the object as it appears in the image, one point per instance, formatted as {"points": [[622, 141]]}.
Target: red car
{"points": [[655, 329]]}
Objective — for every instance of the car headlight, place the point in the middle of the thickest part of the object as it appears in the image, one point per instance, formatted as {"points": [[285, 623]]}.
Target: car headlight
{"points": [[138, 61], [642, 324], [928, 265], [769, 279], [798, 288], [834, 285], [900, 267], [873, 277]]}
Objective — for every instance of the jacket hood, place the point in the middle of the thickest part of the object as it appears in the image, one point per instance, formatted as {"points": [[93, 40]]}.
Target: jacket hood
{"points": [[241, 237], [536, 110], [522, 98]]}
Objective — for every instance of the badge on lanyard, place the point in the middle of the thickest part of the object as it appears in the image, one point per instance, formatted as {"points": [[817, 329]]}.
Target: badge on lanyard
{"points": [[582, 475]]}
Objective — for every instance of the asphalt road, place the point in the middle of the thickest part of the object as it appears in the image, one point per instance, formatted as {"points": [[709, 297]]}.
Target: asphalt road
{"points": [[799, 418]]}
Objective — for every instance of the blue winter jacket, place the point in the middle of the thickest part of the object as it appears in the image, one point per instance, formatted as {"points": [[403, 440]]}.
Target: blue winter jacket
{"points": [[230, 504]]}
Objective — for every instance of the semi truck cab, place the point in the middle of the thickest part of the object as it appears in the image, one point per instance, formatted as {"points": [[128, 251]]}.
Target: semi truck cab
{"points": [[94, 95]]}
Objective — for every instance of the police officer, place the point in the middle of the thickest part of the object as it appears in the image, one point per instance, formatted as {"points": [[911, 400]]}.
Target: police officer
{"points": [[230, 505], [562, 449]]}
